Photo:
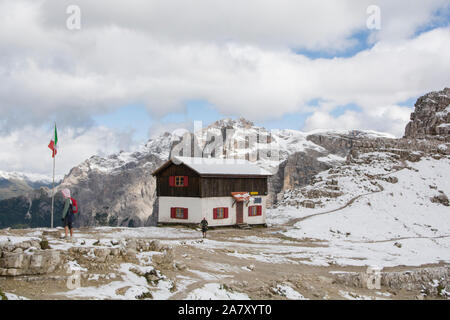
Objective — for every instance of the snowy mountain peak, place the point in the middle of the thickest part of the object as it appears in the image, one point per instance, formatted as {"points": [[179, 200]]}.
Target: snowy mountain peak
{"points": [[29, 177], [230, 123]]}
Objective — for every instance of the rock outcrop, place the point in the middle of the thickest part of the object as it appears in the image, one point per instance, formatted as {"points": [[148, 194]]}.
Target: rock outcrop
{"points": [[431, 117]]}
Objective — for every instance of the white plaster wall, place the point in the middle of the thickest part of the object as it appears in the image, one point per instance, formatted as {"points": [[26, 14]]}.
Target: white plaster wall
{"points": [[203, 207], [208, 204], [193, 205], [256, 219]]}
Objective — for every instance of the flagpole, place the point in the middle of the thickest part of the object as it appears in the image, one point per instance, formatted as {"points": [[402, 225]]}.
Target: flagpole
{"points": [[53, 182], [53, 188]]}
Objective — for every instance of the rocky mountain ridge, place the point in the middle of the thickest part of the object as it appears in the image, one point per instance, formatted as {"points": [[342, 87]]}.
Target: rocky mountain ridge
{"points": [[119, 190], [14, 184]]}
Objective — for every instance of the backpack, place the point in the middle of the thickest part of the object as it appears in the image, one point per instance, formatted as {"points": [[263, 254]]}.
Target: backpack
{"points": [[74, 205]]}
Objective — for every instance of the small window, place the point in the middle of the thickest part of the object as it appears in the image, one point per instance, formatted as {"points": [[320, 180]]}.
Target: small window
{"points": [[220, 213], [179, 213], [178, 181], [254, 211]]}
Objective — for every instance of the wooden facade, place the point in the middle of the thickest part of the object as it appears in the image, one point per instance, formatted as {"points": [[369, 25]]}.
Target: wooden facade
{"points": [[223, 192], [204, 186], [163, 188]]}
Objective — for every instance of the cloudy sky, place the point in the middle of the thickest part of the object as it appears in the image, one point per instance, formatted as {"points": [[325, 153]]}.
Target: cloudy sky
{"points": [[139, 67]]}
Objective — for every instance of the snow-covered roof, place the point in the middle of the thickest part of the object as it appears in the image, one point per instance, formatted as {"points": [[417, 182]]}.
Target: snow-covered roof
{"points": [[217, 166]]}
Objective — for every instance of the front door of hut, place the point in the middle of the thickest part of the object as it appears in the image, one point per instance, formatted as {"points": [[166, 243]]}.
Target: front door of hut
{"points": [[239, 212]]}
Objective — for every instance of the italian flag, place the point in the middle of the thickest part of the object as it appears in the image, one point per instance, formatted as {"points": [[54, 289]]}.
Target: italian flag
{"points": [[53, 145]]}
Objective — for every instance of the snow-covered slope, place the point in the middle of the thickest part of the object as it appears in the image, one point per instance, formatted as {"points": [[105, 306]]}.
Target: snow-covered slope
{"points": [[388, 212], [29, 177], [13, 184], [159, 147]]}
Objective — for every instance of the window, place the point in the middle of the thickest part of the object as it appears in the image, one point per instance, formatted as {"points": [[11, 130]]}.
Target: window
{"points": [[179, 213], [178, 181], [220, 213], [254, 211]]}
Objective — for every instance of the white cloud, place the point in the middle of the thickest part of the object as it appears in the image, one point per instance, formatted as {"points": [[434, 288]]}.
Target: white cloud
{"points": [[238, 57], [389, 119], [25, 149]]}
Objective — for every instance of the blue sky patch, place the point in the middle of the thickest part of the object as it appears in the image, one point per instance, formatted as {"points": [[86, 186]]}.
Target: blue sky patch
{"points": [[361, 44]]}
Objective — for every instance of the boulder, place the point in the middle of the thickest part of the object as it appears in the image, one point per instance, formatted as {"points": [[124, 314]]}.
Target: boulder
{"points": [[101, 254], [12, 260], [308, 204], [155, 245], [442, 199], [164, 260]]}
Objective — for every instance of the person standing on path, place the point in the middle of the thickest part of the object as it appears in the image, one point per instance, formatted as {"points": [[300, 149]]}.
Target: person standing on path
{"points": [[204, 225]]}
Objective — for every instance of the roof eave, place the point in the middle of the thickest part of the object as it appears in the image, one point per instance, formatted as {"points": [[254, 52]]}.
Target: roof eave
{"points": [[231, 175], [221, 175], [162, 167]]}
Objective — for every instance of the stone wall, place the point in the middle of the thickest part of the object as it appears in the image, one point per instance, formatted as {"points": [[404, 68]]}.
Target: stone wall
{"points": [[429, 281], [27, 258]]}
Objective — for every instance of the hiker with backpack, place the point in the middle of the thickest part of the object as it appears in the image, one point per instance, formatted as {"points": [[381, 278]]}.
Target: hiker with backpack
{"points": [[70, 208], [204, 225]]}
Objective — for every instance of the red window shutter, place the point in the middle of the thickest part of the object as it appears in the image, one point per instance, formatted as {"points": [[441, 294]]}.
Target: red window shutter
{"points": [[173, 213], [215, 213], [186, 181], [172, 181], [225, 213], [259, 210], [249, 210], [185, 213]]}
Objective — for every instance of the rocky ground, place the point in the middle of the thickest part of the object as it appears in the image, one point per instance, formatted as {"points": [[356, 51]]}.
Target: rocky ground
{"points": [[376, 226], [175, 263], [284, 261]]}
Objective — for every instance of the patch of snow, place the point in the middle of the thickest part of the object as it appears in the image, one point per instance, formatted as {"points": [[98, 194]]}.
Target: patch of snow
{"points": [[331, 159], [15, 239], [215, 291], [208, 276], [353, 296], [287, 291], [73, 266], [147, 232], [221, 166], [137, 286], [385, 294], [12, 296]]}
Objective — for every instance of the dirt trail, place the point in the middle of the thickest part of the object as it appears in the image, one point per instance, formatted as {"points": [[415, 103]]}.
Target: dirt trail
{"points": [[292, 222], [402, 238]]}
